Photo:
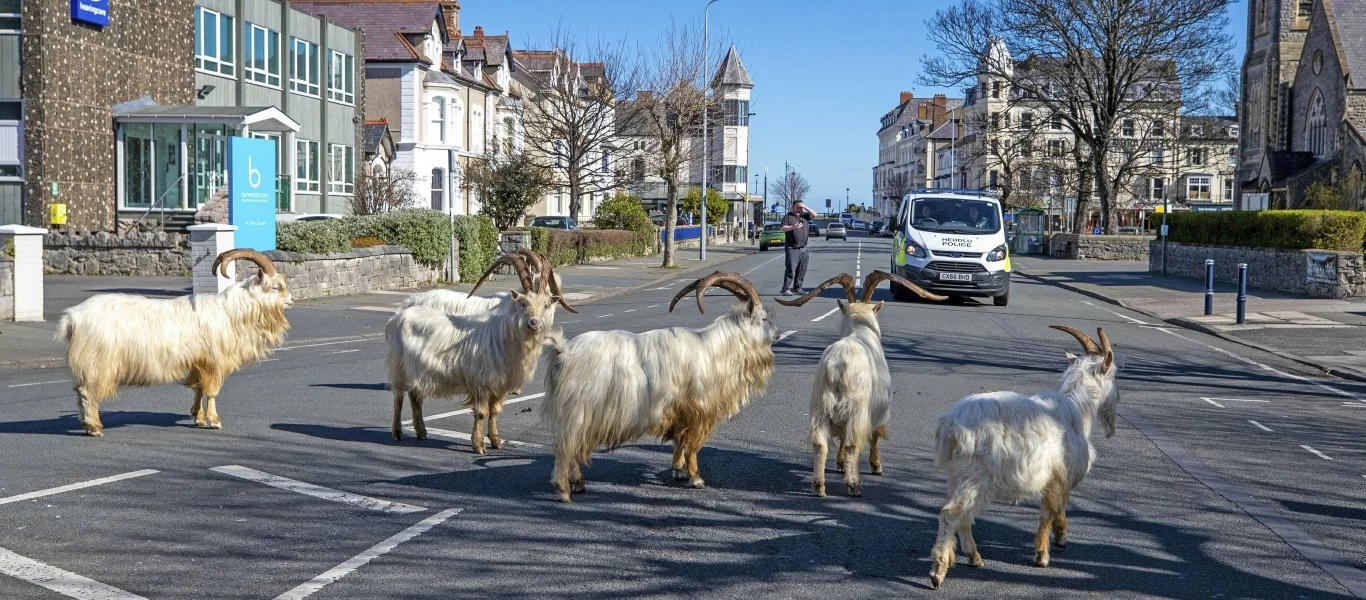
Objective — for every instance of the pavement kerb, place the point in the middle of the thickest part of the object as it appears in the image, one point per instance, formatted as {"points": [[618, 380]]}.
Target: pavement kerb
{"points": [[1202, 328]]}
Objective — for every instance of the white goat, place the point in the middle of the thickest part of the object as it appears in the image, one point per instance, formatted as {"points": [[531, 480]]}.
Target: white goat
{"points": [[117, 340], [1007, 447], [461, 303], [606, 388], [852, 392], [483, 355]]}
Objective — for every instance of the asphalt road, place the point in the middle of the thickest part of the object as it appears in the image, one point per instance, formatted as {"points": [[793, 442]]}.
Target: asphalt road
{"points": [[1190, 499]]}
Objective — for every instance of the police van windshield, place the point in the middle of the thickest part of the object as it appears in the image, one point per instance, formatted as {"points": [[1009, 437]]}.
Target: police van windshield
{"points": [[949, 215]]}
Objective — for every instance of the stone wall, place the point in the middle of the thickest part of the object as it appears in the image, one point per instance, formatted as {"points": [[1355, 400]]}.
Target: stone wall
{"points": [[1098, 247], [356, 272], [1314, 273], [72, 76], [6, 288], [103, 253]]}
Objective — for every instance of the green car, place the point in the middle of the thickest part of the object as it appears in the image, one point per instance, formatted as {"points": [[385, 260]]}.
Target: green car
{"points": [[771, 235]]}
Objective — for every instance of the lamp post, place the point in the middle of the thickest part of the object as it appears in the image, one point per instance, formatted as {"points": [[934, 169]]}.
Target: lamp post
{"points": [[706, 149]]}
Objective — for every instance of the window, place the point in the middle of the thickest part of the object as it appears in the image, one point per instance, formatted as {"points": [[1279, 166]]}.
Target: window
{"points": [[1197, 130], [1318, 126], [996, 89], [736, 112], [995, 120], [1197, 157], [1157, 187], [993, 179], [1055, 148], [1198, 188], [1228, 189], [341, 77], [1026, 148], [733, 174], [303, 67], [438, 190], [213, 40], [559, 200], [1159, 128], [509, 133], [638, 170], [1127, 128], [306, 166], [341, 172], [1156, 156], [605, 159], [437, 115], [262, 55], [1027, 120], [1056, 123], [1233, 131]]}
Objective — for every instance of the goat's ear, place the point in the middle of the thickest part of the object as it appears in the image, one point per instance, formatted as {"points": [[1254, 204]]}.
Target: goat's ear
{"points": [[844, 306], [878, 307], [551, 301], [1071, 358], [515, 295]]}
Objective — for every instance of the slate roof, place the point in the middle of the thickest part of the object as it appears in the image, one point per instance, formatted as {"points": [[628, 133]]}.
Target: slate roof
{"points": [[374, 134], [384, 23], [1288, 164], [732, 71], [1349, 18]]}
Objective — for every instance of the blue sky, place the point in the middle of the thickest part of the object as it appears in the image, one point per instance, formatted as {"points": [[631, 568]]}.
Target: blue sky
{"points": [[824, 72]]}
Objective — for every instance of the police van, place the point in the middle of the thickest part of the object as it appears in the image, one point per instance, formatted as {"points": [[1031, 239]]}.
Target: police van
{"points": [[951, 242]]}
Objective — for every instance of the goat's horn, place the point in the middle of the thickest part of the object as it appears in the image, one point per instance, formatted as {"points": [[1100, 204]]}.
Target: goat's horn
{"points": [[547, 272], [875, 278], [700, 285], [845, 280], [751, 295], [220, 264], [1087, 344], [518, 263], [1105, 346]]}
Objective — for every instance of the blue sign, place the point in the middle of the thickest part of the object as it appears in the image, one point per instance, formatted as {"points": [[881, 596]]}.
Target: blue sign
{"points": [[251, 192], [95, 12]]}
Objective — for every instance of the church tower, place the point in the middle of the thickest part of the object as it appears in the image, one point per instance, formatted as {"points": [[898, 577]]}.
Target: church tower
{"points": [[1276, 31]]}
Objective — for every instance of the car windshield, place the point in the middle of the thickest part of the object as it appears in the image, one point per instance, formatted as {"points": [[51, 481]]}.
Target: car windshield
{"points": [[548, 222], [772, 227], [951, 215], [837, 225]]}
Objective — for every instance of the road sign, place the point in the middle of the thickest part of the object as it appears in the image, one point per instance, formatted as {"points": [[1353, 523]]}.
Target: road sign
{"points": [[827, 203], [1164, 230], [251, 192]]}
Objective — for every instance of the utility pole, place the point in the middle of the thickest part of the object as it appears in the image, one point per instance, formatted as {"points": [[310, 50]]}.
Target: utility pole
{"points": [[765, 207], [706, 149]]}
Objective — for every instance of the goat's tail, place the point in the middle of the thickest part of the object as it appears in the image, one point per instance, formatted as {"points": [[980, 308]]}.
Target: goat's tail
{"points": [[951, 441]]}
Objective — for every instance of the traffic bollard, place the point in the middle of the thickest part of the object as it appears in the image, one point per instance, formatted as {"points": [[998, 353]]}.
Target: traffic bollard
{"points": [[1242, 293], [1209, 286]]}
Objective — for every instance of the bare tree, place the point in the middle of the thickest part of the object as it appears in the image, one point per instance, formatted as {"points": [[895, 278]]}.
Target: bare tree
{"points": [[896, 186], [569, 122], [383, 191], [507, 184], [1093, 62], [791, 187], [668, 110]]}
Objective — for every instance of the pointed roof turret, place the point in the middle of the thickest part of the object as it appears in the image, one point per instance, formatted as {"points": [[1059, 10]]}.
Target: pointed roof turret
{"points": [[732, 71]]}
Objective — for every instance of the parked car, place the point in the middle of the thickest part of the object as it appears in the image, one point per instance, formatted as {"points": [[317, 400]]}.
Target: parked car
{"points": [[555, 223], [846, 218], [875, 228], [1131, 230], [836, 229], [304, 218], [859, 225], [773, 235], [814, 225]]}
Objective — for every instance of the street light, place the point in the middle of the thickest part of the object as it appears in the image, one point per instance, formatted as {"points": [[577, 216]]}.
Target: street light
{"points": [[706, 149]]}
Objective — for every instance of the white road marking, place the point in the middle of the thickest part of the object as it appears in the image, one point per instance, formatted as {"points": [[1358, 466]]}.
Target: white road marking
{"points": [[459, 435], [1316, 452], [317, 491], [1212, 402], [657, 289], [342, 570], [76, 486], [652, 306], [756, 267], [832, 311], [1249, 361], [19, 385], [599, 268], [1259, 425], [629, 310], [367, 339], [605, 316], [372, 308], [65, 583], [1127, 317], [858, 262], [1353, 405], [568, 322], [464, 411], [341, 351], [1233, 400], [391, 292], [785, 334]]}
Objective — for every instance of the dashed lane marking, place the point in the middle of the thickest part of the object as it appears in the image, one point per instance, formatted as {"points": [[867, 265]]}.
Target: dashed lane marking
{"points": [[832, 311], [341, 351], [465, 411], [370, 308], [1320, 385], [605, 316], [357, 341], [308, 588], [19, 385], [785, 334], [1316, 452], [1212, 402], [460, 435], [1234, 400], [65, 583], [76, 486], [1125, 317], [1260, 426], [756, 267], [317, 491]]}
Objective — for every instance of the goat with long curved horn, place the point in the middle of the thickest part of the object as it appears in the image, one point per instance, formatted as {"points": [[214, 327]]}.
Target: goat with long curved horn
{"points": [[845, 280], [874, 278], [547, 275], [726, 280], [1087, 344], [220, 264], [518, 263]]}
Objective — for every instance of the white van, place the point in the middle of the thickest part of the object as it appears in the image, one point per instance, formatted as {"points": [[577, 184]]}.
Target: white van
{"points": [[951, 242]]}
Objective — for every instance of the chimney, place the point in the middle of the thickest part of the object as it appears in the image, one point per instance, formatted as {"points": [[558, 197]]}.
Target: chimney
{"points": [[478, 31], [907, 96], [450, 13], [941, 100]]}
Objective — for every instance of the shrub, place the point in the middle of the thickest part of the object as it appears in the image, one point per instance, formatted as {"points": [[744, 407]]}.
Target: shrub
{"points": [[1292, 229], [9, 248], [626, 213], [562, 247], [315, 237], [367, 242], [478, 245]]}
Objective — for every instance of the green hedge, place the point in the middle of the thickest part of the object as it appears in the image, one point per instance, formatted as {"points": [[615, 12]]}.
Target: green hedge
{"points": [[562, 247], [426, 232], [1293, 229]]}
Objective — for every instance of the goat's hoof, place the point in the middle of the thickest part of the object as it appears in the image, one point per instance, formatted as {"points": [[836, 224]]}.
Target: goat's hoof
{"points": [[680, 475], [855, 489], [976, 560], [94, 433], [215, 425], [496, 443], [201, 424], [578, 487], [935, 580], [877, 470], [1041, 559], [697, 483], [421, 435], [397, 436], [480, 450], [819, 489], [1060, 544]]}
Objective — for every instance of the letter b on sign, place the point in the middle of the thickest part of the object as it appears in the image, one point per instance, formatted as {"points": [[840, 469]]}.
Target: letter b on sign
{"points": [[251, 192]]}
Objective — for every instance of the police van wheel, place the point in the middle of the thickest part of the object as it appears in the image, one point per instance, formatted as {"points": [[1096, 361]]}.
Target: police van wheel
{"points": [[1001, 300]]}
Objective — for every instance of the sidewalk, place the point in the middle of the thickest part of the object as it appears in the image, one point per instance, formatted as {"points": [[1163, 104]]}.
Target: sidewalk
{"points": [[31, 345], [1323, 333]]}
